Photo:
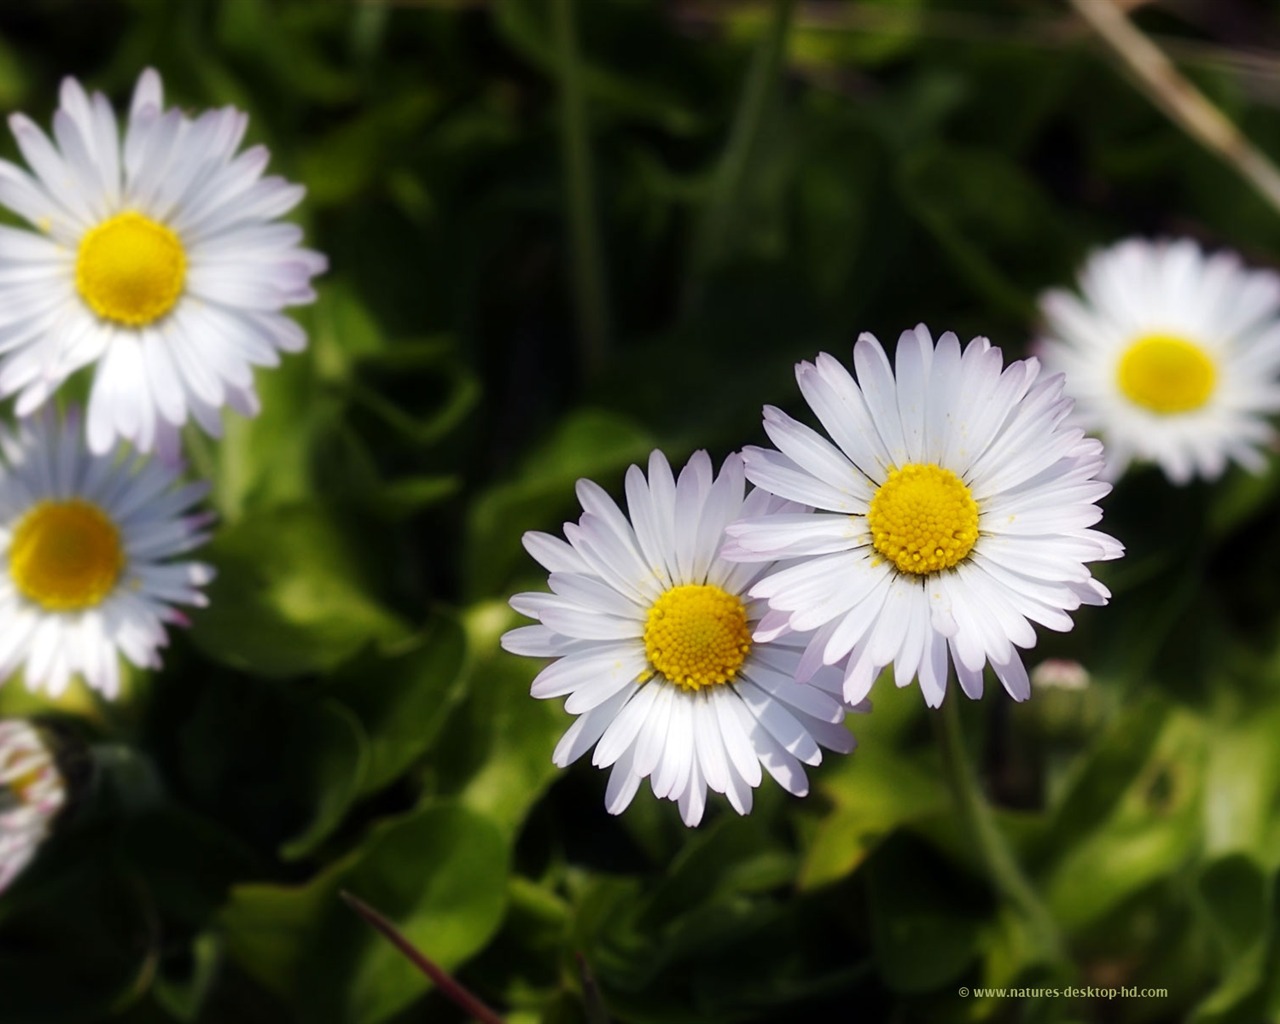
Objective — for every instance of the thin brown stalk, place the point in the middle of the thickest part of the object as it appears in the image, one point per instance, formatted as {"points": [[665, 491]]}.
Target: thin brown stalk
{"points": [[445, 982], [1180, 100]]}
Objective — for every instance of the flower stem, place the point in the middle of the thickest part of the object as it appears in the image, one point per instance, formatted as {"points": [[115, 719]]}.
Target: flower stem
{"points": [[461, 997], [586, 250], [1002, 867], [724, 203], [1183, 103]]}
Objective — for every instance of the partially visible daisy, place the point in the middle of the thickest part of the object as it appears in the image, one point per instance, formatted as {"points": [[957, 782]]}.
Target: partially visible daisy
{"points": [[952, 511], [156, 255], [89, 556], [32, 792], [652, 635], [1172, 356]]}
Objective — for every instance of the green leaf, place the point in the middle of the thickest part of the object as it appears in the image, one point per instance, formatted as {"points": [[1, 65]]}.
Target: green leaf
{"points": [[496, 752], [1237, 898], [734, 856], [290, 597], [714, 934], [874, 791], [344, 331], [439, 874], [267, 928], [1153, 825], [188, 861], [1117, 757], [925, 927], [185, 998], [403, 699], [1242, 786], [337, 774]]}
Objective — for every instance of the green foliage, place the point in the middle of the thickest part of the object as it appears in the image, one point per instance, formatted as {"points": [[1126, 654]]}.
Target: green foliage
{"points": [[432, 870], [289, 599], [341, 716]]}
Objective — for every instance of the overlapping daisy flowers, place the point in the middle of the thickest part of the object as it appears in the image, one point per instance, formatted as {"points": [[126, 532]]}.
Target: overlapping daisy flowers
{"points": [[153, 261], [942, 508]]}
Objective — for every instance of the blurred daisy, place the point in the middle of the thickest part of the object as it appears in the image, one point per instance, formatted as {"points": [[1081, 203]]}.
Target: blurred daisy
{"points": [[1060, 674], [653, 639], [88, 545], [157, 257], [32, 793], [1172, 356], [952, 512]]}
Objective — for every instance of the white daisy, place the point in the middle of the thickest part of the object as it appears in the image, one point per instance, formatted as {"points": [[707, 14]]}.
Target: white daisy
{"points": [[1172, 356], [157, 256], [953, 507], [87, 549], [654, 648], [32, 793]]}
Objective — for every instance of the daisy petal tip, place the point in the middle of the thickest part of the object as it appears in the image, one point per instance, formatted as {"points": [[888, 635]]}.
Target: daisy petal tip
{"points": [[919, 334]]}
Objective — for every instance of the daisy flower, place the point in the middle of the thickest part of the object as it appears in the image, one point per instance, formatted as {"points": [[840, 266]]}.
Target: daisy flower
{"points": [[1172, 356], [87, 556], [32, 793], [652, 635], [953, 508], [156, 255]]}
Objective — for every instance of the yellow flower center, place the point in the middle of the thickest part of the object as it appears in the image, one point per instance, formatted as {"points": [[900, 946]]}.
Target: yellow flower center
{"points": [[130, 269], [1166, 374], [923, 519], [696, 635], [65, 555]]}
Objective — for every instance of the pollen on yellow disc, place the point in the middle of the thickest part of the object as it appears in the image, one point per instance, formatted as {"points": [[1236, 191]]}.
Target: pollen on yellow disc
{"points": [[131, 269], [65, 555], [696, 635], [1166, 374], [923, 519]]}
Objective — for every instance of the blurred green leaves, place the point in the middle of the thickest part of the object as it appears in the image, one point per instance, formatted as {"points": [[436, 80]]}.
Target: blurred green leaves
{"points": [[873, 793], [1239, 906], [1134, 815], [977, 207], [402, 699], [432, 871], [290, 597]]}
